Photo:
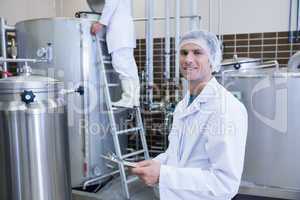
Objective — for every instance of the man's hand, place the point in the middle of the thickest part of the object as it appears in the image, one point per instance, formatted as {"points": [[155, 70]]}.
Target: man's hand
{"points": [[96, 27], [148, 171]]}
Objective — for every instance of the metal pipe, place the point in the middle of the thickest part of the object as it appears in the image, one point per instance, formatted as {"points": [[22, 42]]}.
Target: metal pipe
{"points": [[290, 38], [3, 45], [177, 38], [298, 21], [9, 28], [19, 60], [167, 49], [220, 25], [194, 23], [86, 183], [268, 64], [294, 62], [196, 17], [149, 52]]}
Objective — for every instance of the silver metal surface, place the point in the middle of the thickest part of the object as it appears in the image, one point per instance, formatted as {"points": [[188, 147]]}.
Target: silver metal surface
{"points": [[273, 144], [194, 23], [20, 60], [74, 63], [96, 5], [294, 62], [267, 191], [96, 179], [177, 40], [149, 51], [3, 44], [167, 53], [33, 140], [239, 63], [112, 120]]}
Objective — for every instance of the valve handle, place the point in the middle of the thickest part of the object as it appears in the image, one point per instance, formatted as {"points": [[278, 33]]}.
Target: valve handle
{"points": [[27, 96]]}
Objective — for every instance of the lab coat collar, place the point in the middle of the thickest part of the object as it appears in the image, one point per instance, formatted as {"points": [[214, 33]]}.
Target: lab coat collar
{"points": [[209, 92]]}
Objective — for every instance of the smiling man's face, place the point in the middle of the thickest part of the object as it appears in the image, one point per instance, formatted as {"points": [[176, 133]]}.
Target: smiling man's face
{"points": [[194, 63]]}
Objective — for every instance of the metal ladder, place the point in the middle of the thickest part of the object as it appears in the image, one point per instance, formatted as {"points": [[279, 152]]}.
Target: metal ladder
{"points": [[111, 110]]}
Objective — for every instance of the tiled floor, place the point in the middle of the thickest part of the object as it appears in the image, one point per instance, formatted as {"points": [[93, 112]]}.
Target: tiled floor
{"points": [[112, 191], [246, 197]]}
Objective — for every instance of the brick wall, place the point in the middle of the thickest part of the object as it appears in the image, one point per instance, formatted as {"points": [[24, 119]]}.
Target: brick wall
{"points": [[269, 46]]}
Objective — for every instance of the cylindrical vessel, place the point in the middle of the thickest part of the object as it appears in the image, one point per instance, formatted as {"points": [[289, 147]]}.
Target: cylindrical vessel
{"points": [[34, 161], [74, 61], [272, 160]]}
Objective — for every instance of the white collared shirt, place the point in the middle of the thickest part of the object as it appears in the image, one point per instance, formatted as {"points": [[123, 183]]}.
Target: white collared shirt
{"points": [[116, 16], [206, 150]]}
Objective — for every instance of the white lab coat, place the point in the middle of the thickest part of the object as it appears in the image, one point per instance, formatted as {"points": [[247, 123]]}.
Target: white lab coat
{"points": [[116, 16], [204, 160]]}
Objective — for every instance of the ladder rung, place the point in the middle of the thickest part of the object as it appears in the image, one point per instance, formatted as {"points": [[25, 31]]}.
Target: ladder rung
{"points": [[132, 179], [113, 84], [133, 154], [107, 62], [107, 57], [129, 130], [114, 109]]}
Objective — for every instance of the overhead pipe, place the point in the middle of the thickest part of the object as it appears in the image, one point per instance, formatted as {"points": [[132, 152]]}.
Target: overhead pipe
{"points": [[149, 52], [177, 38]]}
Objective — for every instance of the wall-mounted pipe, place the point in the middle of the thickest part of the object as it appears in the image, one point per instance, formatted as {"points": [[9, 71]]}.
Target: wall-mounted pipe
{"points": [[220, 23], [167, 49], [3, 28], [149, 52], [290, 22], [294, 62], [3, 46], [177, 38], [294, 37], [298, 21], [194, 22]]}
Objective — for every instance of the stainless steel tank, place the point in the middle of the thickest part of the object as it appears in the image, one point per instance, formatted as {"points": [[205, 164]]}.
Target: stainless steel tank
{"points": [[71, 49], [34, 162], [272, 160]]}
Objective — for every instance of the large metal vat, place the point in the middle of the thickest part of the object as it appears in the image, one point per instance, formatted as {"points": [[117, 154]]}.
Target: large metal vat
{"points": [[272, 160], [34, 162], [68, 43]]}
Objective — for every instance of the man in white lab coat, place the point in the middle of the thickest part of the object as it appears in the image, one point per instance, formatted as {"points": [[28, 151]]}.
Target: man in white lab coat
{"points": [[117, 18], [204, 160]]}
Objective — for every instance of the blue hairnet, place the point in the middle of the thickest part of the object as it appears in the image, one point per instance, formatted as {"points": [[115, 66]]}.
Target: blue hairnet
{"points": [[205, 39]]}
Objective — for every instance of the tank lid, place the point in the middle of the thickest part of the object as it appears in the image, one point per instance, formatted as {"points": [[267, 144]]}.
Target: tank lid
{"points": [[239, 60], [96, 5], [29, 82]]}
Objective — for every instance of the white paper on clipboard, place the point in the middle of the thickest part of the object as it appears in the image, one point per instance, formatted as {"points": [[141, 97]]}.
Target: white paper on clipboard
{"points": [[117, 160]]}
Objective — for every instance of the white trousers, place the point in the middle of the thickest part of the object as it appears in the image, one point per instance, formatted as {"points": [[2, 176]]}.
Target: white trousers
{"points": [[124, 63]]}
